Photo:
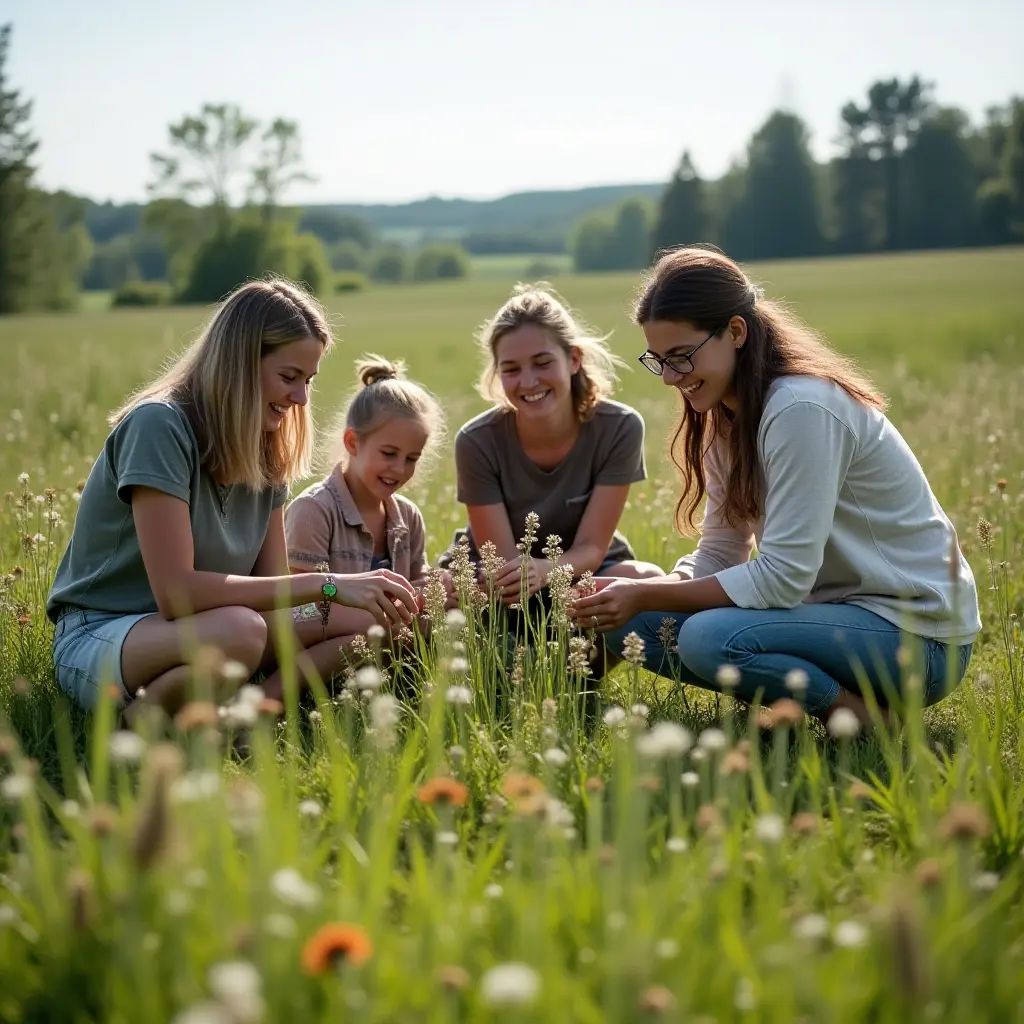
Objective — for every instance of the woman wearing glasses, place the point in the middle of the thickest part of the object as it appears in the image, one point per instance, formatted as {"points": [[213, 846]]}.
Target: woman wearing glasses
{"points": [[553, 444], [789, 444]]}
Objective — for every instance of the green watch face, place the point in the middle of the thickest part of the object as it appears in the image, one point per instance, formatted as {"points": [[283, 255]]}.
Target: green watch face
{"points": [[330, 590]]}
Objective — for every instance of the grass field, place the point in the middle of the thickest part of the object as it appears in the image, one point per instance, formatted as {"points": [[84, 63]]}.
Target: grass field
{"points": [[307, 874]]}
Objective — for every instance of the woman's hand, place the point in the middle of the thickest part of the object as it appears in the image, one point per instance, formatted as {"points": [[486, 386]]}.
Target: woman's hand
{"points": [[388, 597], [614, 604], [507, 580]]}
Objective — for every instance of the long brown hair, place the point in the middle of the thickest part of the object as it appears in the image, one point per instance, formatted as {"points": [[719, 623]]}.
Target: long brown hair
{"points": [[705, 288], [217, 382]]}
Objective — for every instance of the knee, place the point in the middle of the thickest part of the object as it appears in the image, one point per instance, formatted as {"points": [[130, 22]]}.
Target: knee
{"points": [[242, 635], [704, 641]]}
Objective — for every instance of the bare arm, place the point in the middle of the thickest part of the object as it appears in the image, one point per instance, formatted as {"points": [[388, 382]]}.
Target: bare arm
{"points": [[590, 546], [165, 540]]}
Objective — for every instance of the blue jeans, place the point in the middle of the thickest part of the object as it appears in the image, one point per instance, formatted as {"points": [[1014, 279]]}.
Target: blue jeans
{"points": [[830, 642]]}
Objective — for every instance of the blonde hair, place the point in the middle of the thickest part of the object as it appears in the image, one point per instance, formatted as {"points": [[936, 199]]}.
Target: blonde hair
{"points": [[539, 304], [217, 382], [383, 393]]}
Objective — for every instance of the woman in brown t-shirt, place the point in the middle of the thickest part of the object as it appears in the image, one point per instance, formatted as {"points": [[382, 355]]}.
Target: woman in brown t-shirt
{"points": [[553, 444]]}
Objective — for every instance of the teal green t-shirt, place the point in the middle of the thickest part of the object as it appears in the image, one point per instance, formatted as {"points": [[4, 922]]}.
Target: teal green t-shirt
{"points": [[154, 446]]}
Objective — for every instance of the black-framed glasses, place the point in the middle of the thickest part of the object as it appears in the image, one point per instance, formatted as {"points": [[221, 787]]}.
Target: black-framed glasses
{"points": [[680, 363]]}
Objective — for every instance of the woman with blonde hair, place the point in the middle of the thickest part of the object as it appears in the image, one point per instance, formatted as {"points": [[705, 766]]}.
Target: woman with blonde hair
{"points": [[789, 444], [554, 443], [179, 540]]}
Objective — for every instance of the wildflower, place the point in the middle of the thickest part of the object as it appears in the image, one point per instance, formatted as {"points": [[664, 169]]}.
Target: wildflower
{"points": [[594, 784], [556, 757], [785, 712], [735, 762], [281, 926], [843, 724], [23, 479], [727, 677], [334, 944], [985, 881], [455, 620], [928, 873], [452, 976], [177, 903], [237, 985], [444, 791], [271, 707], [797, 681], [457, 666], [245, 806], [447, 838], [196, 878], [531, 525], [769, 828], [435, 595], [811, 928], [709, 819], [126, 747], [578, 661], [15, 787], [375, 633], [744, 999], [102, 819], [665, 740], [197, 714], [850, 934], [712, 740], [665, 949], [676, 844], [316, 716], [640, 710], [690, 780], [511, 984], [964, 821], [494, 891], [384, 714], [232, 671], [8, 915], [456, 753], [239, 714], [367, 678], [490, 561], [614, 716], [984, 531], [657, 999], [204, 1013], [668, 633], [526, 793], [195, 786], [70, 809], [291, 888], [859, 790], [633, 649], [804, 823], [310, 809]]}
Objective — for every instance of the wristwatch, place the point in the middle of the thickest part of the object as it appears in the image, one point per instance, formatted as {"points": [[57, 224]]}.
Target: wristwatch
{"points": [[330, 591]]}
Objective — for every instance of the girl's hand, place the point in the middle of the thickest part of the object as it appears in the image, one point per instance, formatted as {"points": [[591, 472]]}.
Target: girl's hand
{"points": [[451, 598], [388, 597], [615, 603], [507, 580]]}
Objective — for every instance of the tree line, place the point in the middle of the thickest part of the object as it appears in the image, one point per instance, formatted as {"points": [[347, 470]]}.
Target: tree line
{"points": [[911, 174]]}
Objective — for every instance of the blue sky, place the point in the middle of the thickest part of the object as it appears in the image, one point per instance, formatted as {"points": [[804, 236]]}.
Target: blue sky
{"points": [[400, 99]]}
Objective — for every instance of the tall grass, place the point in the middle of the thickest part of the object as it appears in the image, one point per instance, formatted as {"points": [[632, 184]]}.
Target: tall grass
{"points": [[482, 830]]}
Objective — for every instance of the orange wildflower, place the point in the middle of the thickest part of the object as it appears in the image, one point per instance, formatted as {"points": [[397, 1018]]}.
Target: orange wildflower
{"points": [[336, 943], [443, 790]]}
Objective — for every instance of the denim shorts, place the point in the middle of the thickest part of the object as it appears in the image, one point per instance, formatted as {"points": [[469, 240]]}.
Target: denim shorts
{"points": [[87, 652]]}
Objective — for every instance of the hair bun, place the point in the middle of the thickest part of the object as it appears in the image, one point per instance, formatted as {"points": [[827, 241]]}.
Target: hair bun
{"points": [[373, 369]]}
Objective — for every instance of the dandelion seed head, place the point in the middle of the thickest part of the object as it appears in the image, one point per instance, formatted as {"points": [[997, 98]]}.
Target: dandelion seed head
{"points": [[712, 741], [811, 928], [850, 935], [458, 695], [291, 888], [510, 984], [310, 809], [614, 716], [690, 780], [556, 757], [843, 724], [727, 677], [237, 985], [126, 747], [769, 828]]}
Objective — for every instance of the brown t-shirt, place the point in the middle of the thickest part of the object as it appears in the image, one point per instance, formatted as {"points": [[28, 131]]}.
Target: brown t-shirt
{"points": [[493, 469]]}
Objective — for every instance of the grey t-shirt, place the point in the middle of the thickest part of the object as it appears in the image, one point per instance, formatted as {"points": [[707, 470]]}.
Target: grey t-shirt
{"points": [[493, 469], [154, 446]]}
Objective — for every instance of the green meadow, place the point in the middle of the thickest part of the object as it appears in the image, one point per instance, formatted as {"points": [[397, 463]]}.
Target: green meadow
{"points": [[523, 851]]}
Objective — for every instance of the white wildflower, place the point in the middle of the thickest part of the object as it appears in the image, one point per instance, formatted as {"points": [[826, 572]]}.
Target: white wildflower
{"points": [[494, 891], [557, 814], [235, 672], [455, 620], [666, 949], [375, 633], [237, 985], [367, 678], [676, 844], [447, 838], [291, 888], [769, 828], [811, 927], [239, 714], [640, 710], [384, 711], [23, 478], [204, 1013], [177, 903], [8, 915], [850, 934], [70, 809], [458, 695], [281, 926], [744, 999], [712, 740], [797, 681], [727, 677], [511, 984], [614, 716], [985, 881], [15, 787], [691, 780], [665, 740], [126, 747], [843, 724], [458, 666], [196, 878], [310, 809], [556, 757], [195, 786], [316, 716]]}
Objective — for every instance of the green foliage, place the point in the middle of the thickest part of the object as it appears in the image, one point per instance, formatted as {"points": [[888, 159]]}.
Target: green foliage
{"points": [[347, 254], [350, 281], [336, 226], [613, 239], [389, 264], [440, 261], [142, 293], [683, 215]]}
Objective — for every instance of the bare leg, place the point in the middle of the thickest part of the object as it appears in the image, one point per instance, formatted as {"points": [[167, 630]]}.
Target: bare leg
{"points": [[157, 652]]}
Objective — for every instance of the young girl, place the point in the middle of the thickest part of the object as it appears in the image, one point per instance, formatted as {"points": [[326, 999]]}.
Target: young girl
{"points": [[179, 539], [790, 446], [354, 519], [553, 444]]}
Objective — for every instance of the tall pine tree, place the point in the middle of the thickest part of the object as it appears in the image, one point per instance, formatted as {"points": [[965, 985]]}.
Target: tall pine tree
{"points": [[683, 216]]}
